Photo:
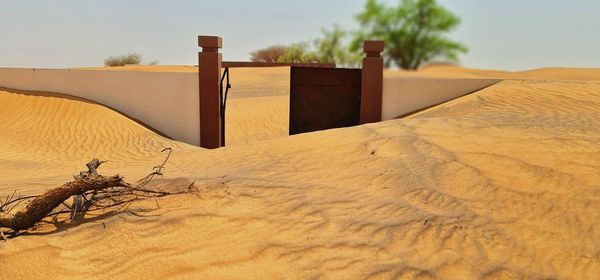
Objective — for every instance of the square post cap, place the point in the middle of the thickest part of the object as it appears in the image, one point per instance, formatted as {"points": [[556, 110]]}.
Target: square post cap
{"points": [[210, 42], [374, 47]]}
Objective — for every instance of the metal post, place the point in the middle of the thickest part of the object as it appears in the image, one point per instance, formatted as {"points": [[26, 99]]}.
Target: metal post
{"points": [[372, 82], [209, 67]]}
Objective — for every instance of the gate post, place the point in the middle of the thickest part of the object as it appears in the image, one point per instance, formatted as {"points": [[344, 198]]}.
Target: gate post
{"points": [[372, 82], [209, 67]]}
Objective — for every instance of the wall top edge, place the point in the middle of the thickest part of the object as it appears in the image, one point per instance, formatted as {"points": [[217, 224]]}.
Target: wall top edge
{"points": [[93, 70]]}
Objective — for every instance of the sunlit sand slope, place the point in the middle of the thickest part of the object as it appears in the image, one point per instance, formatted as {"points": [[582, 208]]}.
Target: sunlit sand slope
{"points": [[255, 119], [552, 73], [44, 138], [448, 71], [501, 184]]}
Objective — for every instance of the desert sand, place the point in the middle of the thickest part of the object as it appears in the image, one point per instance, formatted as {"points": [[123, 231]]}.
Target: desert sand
{"points": [[501, 184]]}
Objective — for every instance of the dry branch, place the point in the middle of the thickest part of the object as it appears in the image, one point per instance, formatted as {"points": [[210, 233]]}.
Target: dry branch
{"points": [[42, 205], [90, 191]]}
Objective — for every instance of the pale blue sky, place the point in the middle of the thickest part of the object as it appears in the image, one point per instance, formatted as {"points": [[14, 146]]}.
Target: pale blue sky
{"points": [[501, 34]]}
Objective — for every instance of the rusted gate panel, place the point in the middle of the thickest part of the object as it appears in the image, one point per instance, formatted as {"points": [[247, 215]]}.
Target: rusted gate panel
{"points": [[324, 98]]}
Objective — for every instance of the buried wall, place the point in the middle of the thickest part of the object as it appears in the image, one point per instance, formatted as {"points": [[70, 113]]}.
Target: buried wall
{"points": [[169, 103], [405, 95], [165, 101]]}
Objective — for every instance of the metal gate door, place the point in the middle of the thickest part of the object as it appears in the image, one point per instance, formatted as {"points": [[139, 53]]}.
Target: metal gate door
{"points": [[324, 98]]}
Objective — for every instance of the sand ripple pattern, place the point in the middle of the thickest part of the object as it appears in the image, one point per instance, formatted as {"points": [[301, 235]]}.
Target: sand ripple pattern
{"points": [[52, 136], [500, 184]]}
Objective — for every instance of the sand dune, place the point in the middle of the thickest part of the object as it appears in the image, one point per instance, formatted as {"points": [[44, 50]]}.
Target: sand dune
{"points": [[555, 73], [449, 71], [500, 184], [48, 136]]}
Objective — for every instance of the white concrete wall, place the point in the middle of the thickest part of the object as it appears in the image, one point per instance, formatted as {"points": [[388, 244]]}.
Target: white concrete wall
{"points": [[403, 95], [166, 101]]}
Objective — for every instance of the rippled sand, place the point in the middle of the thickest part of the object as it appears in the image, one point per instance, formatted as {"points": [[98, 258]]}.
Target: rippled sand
{"points": [[501, 184]]}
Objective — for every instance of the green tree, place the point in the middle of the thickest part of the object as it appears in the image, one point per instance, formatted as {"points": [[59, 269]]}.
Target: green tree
{"points": [[414, 32], [331, 49], [298, 53]]}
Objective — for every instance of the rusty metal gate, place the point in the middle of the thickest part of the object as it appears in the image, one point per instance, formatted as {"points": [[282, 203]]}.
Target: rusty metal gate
{"points": [[324, 98]]}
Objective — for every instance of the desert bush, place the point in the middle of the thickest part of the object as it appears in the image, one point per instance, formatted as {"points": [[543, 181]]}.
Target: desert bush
{"points": [[132, 58], [268, 54]]}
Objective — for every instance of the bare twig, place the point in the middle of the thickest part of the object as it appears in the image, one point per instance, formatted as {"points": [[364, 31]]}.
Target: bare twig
{"points": [[158, 170], [11, 200]]}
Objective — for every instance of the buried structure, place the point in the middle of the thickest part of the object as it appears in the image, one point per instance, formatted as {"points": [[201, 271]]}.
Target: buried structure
{"points": [[321, 96]]}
